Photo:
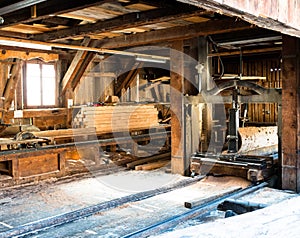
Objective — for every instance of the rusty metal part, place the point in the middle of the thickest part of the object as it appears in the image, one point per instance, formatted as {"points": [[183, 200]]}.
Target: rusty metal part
{"points": [[250, 161], [240, 206], [252, 168]]}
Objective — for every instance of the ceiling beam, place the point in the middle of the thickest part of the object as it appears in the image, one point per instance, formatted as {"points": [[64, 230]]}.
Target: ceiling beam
{"points": [[13, 34], [176, 33], [243, 52], [46, 10], [85, 48], [75, 64], [122, 22]]}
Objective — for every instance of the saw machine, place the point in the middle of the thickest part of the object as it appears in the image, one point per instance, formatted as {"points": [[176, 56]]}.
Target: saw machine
{"points": [[251, 152]]}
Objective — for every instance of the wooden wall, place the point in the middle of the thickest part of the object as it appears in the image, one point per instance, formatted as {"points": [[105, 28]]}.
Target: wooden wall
{"points": [[286, 11], [278, 15], [95, 84], [264, 67]]}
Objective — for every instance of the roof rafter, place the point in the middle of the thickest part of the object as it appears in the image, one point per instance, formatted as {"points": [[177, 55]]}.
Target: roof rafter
{"points": [[122, 22], [175, 33], [46, 10]]}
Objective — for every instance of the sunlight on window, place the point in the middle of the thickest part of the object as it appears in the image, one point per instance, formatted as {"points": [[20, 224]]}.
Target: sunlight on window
{"points": [[33, 85], [48, 84], [40, 84]]}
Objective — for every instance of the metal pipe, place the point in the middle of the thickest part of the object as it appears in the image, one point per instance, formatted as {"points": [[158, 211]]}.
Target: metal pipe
{"points": [[101, 142]]}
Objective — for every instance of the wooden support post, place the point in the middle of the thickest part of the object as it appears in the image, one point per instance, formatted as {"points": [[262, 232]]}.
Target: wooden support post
{"points": [[191, 86], [178, 163], [15, 168], [61, 164], [11, 84], [204, 85], [291, 113]]}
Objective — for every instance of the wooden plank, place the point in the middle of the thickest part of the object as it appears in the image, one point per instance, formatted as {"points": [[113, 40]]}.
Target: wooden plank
{"points": [[291, 114], [107, 119], [29, 113], [38, 165], [201, 201], [151, 166], [65, 132], [85, 48], [83, 66], [176, 84], [129, 78], [149, 159], [25, 55], [122, 22], [46, 10], [78, 58], [176, 33], [11, 84]]}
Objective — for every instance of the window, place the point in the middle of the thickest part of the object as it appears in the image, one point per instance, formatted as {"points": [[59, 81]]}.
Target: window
{"points": [[40, 84]]}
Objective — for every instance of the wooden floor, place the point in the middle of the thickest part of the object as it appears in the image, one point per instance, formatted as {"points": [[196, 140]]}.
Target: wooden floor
{"points": [[49, 198]]}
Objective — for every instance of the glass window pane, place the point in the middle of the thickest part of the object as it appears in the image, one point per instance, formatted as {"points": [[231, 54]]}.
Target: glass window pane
{"points": [[48, 84], [48, 70], [33, 85], [33, 70], [40, 84]]}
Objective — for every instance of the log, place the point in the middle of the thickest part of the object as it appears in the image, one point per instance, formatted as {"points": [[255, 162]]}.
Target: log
{"points": [[258, 139], [148, 159], [151, 166]]}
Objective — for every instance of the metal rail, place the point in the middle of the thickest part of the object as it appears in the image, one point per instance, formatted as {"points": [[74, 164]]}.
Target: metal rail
{"points": [[65, 218], [101, 142], [199, 212]]}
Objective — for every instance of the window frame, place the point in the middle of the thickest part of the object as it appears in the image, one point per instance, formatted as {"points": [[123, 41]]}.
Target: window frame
{"points": [[40, 63]]}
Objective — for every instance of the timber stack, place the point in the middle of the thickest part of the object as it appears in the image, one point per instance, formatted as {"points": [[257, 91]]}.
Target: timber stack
{"points": [[108, 119]]}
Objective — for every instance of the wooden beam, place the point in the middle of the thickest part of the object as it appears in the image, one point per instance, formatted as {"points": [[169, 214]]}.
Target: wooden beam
{"points": [[176, 33], [82, 67], [46, 10], [176, 94], [13, 34], [129, 20], [238, 52], [25, 55], [129, 78], [85, 48], [29, 113], [11, 84], [291, 114], [70, 74]]}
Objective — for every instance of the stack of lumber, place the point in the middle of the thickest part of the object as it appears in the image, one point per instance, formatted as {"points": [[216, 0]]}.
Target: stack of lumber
{"points": [[107, 119]]}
